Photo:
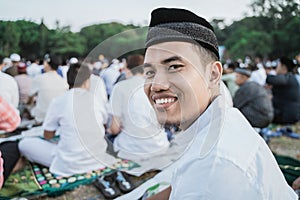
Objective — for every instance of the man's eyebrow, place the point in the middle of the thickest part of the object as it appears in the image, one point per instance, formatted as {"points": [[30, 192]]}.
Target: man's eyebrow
{"points": [[147, 65], [166, 61], [171, 59]]}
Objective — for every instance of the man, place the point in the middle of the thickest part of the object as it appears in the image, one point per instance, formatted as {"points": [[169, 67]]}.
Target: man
{"points": [[252, 100], [138, 136], [225, 158], [47, 86], [34, 68], [13, 69], [8, 88], [286, 92], [9, 121], [77, 118], [24, 83]]}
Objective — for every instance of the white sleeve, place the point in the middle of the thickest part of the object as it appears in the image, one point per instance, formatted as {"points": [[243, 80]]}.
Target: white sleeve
{"points": [[34, 86], [51, 122], [115, 102], [15, 98]]}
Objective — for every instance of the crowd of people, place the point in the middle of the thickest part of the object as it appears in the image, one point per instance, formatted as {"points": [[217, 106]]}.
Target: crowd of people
{"points": [[104, 109], [265, 91]]}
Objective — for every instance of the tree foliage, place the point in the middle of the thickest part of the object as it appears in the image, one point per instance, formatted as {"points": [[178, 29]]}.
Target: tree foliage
{"points": [[66, 43], [273, 30]]}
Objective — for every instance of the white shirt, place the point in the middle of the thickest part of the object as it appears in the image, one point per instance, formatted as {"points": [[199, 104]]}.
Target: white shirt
{"points": [[259, 76], [9, 89], [46, 86], [97, 88], [64, 69], [141, 135], [34, 70], [227, 160], [24, 84], [230, 82], [110, 75], [78, 121]]}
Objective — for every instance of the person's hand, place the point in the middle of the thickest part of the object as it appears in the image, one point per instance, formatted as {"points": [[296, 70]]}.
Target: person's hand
{"points": [[296, 184], [1, 170]]}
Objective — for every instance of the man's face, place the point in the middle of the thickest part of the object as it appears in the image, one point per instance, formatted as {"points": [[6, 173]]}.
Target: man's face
{"points": [[177, 83], [240, 79], [281, 69]]}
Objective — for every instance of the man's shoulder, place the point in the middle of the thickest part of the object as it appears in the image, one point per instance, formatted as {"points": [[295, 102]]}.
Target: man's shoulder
{"points": [[238, 141], [6, 77], [126, 85]]}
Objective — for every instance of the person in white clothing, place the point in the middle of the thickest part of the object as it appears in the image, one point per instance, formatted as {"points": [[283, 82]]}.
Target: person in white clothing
{"points": [[97, 88], [46, 87], [139, 135], [224, 157], [9, 88], [34, 68], [78, 120], [110, 75]]}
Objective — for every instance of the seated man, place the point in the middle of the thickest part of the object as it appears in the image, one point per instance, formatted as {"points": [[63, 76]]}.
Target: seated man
{"points": [[47, 86], [9, 121], [8, 88], [139, 135], [78, 120], [252, 100]]}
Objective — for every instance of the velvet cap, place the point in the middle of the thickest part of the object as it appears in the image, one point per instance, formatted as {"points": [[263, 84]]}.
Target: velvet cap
{"points": [[174, 24]]}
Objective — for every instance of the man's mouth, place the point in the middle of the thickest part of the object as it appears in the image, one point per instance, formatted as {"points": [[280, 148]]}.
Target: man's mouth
{"points": [[164, 101]]}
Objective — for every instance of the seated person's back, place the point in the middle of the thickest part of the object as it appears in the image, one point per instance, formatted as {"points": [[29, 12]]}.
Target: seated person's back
{"points": [[252, 100], [140, 135], [47, 86], [76, 118]]}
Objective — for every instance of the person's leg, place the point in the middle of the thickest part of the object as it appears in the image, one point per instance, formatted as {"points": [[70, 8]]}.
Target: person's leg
{"points": [[37, 150], [10, 155]]}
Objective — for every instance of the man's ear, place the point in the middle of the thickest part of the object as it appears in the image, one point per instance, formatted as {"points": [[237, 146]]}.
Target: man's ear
{"points": [[215, 73]]}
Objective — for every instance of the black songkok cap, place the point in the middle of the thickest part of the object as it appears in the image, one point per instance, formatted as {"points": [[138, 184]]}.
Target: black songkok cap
{"points": [[173, 24]]}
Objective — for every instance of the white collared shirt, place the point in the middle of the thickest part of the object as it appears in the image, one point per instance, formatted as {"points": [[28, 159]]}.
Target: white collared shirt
{"points": [[227, 160]]}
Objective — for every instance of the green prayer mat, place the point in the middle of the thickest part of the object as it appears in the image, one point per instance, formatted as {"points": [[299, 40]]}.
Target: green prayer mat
{"points": [[290, 167], [35, 180]]}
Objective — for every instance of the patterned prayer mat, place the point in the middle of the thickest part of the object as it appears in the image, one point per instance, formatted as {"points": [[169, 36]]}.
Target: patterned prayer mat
{"points": [[36, 180]]}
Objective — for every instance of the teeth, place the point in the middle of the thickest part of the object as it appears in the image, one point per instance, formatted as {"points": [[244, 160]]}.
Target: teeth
{"points": [[165, 100]]}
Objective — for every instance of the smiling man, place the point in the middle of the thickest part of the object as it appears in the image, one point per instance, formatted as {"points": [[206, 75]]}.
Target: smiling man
{"points": [[225, 158]]}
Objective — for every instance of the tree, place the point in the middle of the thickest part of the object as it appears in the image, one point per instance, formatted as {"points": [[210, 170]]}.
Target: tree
{"points": [[29, 37], [219, 26], [95, 34], [9, 38], [66, 43], [249, 43], [273, 30]]}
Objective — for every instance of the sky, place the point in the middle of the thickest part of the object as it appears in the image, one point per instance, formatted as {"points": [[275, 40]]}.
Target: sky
{"points": [[80, 13]]}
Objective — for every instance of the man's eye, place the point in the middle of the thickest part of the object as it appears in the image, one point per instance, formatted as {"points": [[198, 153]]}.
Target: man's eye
{"points": [[175, 67], [149, 74]]}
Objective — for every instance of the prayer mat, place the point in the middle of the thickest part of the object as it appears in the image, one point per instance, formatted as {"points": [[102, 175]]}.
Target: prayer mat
{"points": [[290, 167], [36, 180]]}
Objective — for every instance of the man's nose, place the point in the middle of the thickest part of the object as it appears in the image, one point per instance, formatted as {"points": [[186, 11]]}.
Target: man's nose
{"points": [[160, 82]]}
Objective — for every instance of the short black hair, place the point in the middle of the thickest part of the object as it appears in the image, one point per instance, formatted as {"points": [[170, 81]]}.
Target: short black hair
{"points": [[77, 74], [134, 63], [288, 63], [53, 60]]}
